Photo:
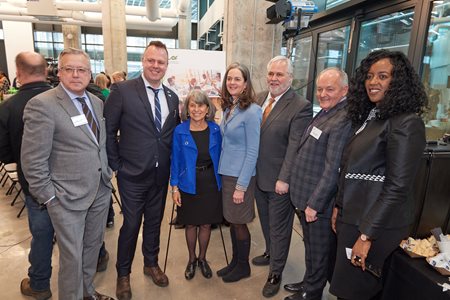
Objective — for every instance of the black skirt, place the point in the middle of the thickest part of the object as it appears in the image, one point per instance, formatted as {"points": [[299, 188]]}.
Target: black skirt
{"points": [[205, 207]]}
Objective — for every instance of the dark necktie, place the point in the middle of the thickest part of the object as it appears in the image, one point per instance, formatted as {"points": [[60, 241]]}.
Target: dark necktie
{"points": [[90, 118], [267, 110], [157, 109]]}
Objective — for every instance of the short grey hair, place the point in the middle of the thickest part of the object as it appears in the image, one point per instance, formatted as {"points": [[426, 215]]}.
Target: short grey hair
{"points": [[73, 51], [342, 75], [198, 97], [290, 68]]}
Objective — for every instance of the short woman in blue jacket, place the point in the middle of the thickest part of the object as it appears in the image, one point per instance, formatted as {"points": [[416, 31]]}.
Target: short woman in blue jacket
{"points": [[194, 179], [240, 146]]}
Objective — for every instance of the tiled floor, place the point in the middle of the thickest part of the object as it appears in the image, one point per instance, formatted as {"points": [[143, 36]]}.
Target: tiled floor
{"points": [[15, 243]]}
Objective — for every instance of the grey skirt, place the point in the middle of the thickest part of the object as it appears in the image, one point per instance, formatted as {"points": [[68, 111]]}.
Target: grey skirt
{"points": [[242, 213]]}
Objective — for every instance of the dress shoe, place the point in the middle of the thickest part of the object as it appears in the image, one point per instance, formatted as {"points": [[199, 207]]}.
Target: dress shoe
{"points": [[204, 267], [98, 296], [272, 286], [305, 295], [262, 260], [26, 289], [157, 275], [189, 273], [227, 269], [241, 271], [123, 288], [102, 263], [294, 287]]}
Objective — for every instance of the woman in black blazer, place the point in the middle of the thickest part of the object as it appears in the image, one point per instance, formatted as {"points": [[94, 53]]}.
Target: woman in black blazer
{"points": [[374, 207]]}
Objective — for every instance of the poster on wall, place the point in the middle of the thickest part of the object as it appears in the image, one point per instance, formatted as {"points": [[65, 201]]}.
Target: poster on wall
{"points": [[195, 69]]}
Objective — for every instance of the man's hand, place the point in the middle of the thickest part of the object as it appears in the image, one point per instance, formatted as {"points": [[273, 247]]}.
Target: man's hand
{"points": [[311, 214], [333, 218], [281, 187]]}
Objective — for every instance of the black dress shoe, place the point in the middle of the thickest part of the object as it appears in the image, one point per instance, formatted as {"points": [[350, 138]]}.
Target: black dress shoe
{"points": [[272, 285], [204, 267], [294, 287], [190, 270], [262, 260], [305, 295]]}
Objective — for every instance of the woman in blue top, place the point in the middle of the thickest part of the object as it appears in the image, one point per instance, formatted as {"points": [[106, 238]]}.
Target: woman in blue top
{"points": [[240, 145], [194, 179]]}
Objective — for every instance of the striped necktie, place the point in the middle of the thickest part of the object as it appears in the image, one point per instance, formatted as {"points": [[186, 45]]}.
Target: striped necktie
{"points": [[267, 110], [157, 109], [90, 118]]}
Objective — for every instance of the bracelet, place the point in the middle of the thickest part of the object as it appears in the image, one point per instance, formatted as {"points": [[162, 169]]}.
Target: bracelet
{"points": [[174, 191]]}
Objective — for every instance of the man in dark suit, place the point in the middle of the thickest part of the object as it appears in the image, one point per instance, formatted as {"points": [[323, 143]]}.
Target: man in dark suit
{"points": [[285, 117], [31, 72], [64, 161], [314, 181], [146, 113]]}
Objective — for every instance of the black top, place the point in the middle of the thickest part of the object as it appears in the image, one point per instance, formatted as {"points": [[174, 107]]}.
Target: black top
{"points": [[201, 139]]}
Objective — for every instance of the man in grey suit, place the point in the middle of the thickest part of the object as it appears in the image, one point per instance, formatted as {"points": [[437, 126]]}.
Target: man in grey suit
{"points": [[314, 181], [64, 161], [285, 117]]}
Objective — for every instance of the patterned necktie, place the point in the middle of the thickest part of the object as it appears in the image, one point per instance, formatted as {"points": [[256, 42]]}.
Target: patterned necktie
{"points": [[157, 109], [267, 110], [89, 117]]}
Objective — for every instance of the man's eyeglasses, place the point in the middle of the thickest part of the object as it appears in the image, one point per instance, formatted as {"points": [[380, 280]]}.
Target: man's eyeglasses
{"points": [[80, 71]]}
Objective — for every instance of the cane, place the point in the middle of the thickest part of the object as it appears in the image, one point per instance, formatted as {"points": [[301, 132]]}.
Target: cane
{"points": [[223, 243], [168, 240]]}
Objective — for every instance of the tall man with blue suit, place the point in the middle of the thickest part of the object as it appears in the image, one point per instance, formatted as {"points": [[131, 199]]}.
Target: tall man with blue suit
{"points": [[64, 161], [285, 117], [146, 114], [314, 181], [31, 72]]}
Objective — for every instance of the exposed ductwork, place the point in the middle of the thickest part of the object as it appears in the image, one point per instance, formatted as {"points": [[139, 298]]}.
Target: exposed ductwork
{"points": [[151, 17]]}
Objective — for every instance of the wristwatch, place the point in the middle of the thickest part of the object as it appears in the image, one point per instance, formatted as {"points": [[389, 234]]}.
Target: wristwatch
{"points": [[364, 237]]}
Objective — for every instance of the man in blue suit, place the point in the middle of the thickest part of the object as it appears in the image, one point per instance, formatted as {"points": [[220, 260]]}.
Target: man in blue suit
{"points": [[146, 114]]}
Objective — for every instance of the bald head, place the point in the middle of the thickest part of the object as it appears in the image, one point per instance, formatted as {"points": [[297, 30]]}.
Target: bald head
{"points": [[331, 87], [30, 67]]}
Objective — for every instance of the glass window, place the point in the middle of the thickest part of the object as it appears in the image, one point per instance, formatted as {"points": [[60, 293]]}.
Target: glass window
{"points": [[331, 52], [436, 72], [390, 31], [48, 43], [300, 60], [334, 3]]}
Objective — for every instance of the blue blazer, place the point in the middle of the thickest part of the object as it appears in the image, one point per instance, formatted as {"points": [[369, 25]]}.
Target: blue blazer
{"points": [[240, 144], [184, 156]]}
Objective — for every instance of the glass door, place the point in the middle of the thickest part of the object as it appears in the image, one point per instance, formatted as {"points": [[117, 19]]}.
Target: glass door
{"points": [[301, 61], [436, 71]]}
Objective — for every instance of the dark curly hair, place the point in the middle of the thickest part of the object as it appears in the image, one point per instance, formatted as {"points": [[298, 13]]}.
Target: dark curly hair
{"points": [[406, 92], [248, 94]]}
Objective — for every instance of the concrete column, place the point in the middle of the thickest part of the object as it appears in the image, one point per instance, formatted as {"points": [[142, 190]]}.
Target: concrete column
{"points": [[185, 26], [72, 36], [114, 36], [249, 40]]}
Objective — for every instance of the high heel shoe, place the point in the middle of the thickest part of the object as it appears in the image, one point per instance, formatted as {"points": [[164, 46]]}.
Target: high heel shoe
{"points": [[204, 267], [190, 270]]}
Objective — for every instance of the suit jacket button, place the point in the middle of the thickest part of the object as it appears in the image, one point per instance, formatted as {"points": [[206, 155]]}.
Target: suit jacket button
{"points": [[99, 169]]}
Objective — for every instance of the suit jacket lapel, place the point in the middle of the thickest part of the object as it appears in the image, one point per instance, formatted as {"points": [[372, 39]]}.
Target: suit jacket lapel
{"points": [[72, 111], [171, 104], [141, 89]]}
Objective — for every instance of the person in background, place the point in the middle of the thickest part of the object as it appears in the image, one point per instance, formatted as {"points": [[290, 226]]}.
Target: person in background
{"points": [[285, 116], [31, 71], [118, 76], [102, 82], [313, 182], [4, 82], [64, 160], [194, 179], [375, 206], [240, 144], [146, 113]]}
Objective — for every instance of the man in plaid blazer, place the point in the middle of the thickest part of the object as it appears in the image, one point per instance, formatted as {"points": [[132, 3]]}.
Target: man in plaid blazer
{"points": [[314, 180]]}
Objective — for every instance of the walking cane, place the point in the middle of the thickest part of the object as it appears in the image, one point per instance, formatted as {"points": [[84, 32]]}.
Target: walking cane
{"points": [[223, 243], [168, 240]]}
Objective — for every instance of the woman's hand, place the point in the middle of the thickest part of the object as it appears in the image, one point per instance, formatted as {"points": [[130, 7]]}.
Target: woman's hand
{"points": [[360, 251], [238, 196], [176, 197], [333, 218]]}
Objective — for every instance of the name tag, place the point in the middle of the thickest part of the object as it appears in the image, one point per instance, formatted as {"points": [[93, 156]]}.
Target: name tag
{"points": [[79, 120], [316, 132]]}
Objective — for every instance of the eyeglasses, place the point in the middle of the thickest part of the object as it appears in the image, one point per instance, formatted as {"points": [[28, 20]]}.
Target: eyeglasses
{"points": [[71, 70]]}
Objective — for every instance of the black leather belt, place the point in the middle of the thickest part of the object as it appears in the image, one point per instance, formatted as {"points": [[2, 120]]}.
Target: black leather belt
{"points": [[202, 168]]}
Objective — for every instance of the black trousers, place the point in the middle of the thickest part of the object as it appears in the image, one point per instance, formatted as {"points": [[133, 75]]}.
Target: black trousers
{"points": [[140, 199]]}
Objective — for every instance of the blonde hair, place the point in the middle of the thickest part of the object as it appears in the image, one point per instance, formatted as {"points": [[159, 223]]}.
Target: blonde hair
{"points": [[101, 80]]}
